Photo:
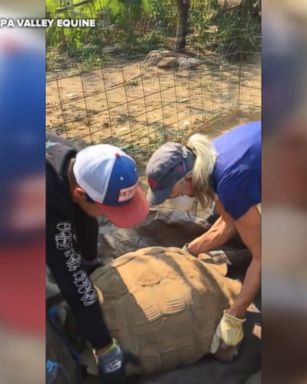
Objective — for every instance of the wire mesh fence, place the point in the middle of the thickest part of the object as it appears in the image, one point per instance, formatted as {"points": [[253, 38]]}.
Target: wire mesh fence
{"points": [[138, 106]]}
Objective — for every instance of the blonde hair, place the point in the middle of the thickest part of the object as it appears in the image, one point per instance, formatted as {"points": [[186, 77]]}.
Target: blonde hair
{"points": [[204, 163]]}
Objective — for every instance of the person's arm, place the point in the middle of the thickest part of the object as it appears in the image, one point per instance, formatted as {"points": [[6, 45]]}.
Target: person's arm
{"points": [[249, 228], [87, 235], [220, 232], [64, 261], [230, 328]]}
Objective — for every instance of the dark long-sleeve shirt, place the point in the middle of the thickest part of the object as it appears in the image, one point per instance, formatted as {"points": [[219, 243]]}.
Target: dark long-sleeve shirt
{"points": [[71, 236]]}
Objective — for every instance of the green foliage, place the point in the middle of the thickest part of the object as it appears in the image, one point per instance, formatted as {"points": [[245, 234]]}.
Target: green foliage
{"points": [[238, 31], [130, 27], [201, 20], [164, 16], [228, 31], [127, 25], [71, 40]]}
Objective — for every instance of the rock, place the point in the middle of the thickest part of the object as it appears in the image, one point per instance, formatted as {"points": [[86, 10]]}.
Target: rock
{"points": [[168, 62], [122, 118], [229, 3], [72, 95], [153, 57], [185, 124], [108, 50], [60, 131], [188, 62], [169, 59]]}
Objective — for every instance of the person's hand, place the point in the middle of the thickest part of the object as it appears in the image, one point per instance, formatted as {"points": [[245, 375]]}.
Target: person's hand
{"points": [[111, 364], [194, 247], [229, 332], [185, 249]]}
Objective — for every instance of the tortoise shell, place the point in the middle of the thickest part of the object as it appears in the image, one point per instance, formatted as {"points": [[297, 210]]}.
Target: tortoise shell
{"points": [[163, 305]]}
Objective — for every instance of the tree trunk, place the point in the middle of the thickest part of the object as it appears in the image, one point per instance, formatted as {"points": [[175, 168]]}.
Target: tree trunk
{"points": [[182, 28]]}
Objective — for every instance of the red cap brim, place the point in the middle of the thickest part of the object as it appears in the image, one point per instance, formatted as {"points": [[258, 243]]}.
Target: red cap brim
{"points": [[128, 215]]}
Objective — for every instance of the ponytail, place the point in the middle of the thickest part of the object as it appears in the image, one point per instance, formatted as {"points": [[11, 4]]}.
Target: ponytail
{"points": [[204, 163]]}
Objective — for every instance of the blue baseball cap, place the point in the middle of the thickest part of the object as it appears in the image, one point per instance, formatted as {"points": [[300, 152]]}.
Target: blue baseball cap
{"points": [[170, 163], [110, 177]]}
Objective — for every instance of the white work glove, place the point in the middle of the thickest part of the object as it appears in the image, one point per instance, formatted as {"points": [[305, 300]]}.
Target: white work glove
{"points": [[229, 332]]}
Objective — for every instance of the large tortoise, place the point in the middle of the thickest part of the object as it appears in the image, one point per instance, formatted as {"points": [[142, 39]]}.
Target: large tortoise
{"points": [[163, 305]]}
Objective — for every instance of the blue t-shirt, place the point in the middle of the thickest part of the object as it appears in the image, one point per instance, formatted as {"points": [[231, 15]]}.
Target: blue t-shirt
{"points": [[236, 176]]}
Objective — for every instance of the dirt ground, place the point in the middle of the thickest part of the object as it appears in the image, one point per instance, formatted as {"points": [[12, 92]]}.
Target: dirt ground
{"points": [[139, 107]]}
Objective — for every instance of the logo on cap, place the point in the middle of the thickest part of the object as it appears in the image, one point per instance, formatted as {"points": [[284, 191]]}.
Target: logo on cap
{"points": [[152, 183], [126, 194]]}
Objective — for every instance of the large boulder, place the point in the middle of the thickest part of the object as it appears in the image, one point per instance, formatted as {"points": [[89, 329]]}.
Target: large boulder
{"points": [[154, 57], [168, 59]]}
